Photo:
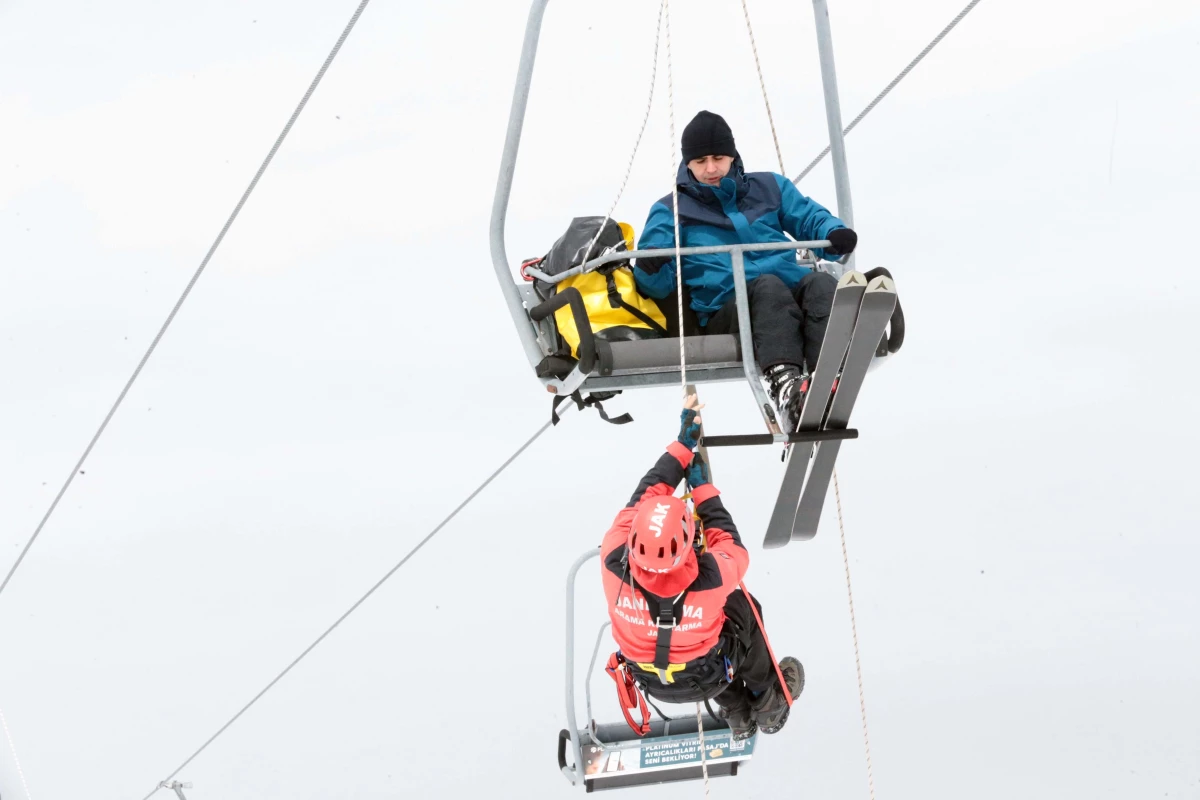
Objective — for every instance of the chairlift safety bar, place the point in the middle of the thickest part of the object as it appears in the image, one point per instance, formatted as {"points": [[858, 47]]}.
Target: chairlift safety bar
{"points": [[622, 255]]}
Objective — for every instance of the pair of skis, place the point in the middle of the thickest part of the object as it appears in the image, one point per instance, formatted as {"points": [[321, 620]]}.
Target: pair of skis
{"points": [[857, 322]]}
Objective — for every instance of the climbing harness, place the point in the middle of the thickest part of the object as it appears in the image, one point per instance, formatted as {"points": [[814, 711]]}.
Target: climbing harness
{"points": [[628, 694]]}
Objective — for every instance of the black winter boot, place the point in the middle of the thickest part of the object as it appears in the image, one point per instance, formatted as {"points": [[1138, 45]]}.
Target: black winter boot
{"points": [[771, 708], [737, 713]]}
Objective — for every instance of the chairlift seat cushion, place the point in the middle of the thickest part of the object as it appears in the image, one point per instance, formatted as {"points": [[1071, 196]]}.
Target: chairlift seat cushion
{"points": [[657, 355]]}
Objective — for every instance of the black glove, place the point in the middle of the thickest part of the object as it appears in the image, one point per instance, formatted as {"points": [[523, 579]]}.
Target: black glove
{"points": [[697, 473], [652, 264], [842, 242], [689, 429]]}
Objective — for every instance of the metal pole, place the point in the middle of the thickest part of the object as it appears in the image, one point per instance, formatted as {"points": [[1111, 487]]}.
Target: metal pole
{"points": [[625, 255], [573, 775], [833, 113], [587, 681], [749, 362], [508, 162]]}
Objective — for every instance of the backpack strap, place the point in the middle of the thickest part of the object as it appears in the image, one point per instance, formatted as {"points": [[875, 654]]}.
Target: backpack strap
{"points": [[616, 301], [581, 403]]}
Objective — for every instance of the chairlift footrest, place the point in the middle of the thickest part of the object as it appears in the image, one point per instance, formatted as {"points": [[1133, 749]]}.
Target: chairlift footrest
{"points": [[742, 440]]}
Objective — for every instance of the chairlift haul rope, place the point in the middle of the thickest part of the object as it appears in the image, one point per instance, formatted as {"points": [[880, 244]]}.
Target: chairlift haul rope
{"points": [[190, 285], [887, 89], [360, 601]]}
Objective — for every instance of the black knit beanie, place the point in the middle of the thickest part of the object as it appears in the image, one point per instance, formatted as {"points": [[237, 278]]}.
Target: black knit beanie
{"points": [[707, 135]]}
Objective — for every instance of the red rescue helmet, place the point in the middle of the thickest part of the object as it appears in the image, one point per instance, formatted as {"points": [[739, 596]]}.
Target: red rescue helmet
{"points": [[661, 534]]}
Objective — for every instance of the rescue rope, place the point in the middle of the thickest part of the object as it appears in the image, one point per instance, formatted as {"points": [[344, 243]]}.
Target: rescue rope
{"points": [[587, 254], [13, 748], [903, 73], [862, 698], [763, 85], [188, 289], [359, 602], [675, 204], [862, 702], [679, 303]]}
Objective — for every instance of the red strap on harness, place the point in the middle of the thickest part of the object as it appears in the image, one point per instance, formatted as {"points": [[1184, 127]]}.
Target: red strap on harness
{"points": [[750, 599], [628, 694]]}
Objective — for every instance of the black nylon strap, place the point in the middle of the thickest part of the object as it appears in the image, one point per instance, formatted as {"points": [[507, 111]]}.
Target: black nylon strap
{"points": [[662, 643], [616, 301], [666, 614], [621, 420], [581, 403], [559, 400]]}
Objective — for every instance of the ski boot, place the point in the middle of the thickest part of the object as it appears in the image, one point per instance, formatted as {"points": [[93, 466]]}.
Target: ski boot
{"points": [[787, 384], [737, 714], [771, 708]]}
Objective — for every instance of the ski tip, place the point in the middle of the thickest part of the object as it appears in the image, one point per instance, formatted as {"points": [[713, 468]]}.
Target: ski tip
{"points": [[852, 278], [882, 284]]}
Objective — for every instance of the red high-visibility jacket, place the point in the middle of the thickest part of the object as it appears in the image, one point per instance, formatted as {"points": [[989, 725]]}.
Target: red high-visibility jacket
{"points": [[708, 579]]}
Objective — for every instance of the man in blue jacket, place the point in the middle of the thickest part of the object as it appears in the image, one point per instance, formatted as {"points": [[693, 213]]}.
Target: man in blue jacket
{"points": [[720, 204]]}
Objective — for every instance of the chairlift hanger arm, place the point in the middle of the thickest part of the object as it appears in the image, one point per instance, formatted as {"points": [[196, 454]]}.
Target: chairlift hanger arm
{"points": [[508, 163]]}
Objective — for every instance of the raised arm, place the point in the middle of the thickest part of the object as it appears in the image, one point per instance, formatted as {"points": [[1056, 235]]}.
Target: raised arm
{"points": [[663, 477], [806, 219], [720, 534]]}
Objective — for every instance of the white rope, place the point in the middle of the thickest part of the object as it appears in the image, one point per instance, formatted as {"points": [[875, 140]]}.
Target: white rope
{"points": [[703, 752], [13, 748], [763, 85], [588, 254], [675, 202], [862, 698]]}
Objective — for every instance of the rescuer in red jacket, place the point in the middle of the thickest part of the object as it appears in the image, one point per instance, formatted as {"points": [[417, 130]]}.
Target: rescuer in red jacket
{"points": [[684, 628]]}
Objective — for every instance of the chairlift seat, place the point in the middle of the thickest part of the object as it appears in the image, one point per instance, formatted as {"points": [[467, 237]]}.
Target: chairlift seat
{"points": [[670, 753], [611, 756]]}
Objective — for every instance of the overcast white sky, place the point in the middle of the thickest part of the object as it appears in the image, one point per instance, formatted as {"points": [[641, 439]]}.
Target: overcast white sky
{"points": [[1021, 507]]}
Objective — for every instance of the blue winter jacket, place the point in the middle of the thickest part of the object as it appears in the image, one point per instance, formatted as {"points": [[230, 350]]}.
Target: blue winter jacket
{"points": [[746, 208]]}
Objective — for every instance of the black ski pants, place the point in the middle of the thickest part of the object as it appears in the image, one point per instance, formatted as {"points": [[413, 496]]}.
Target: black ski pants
{"points": [[788, 325], [755, 670]]}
